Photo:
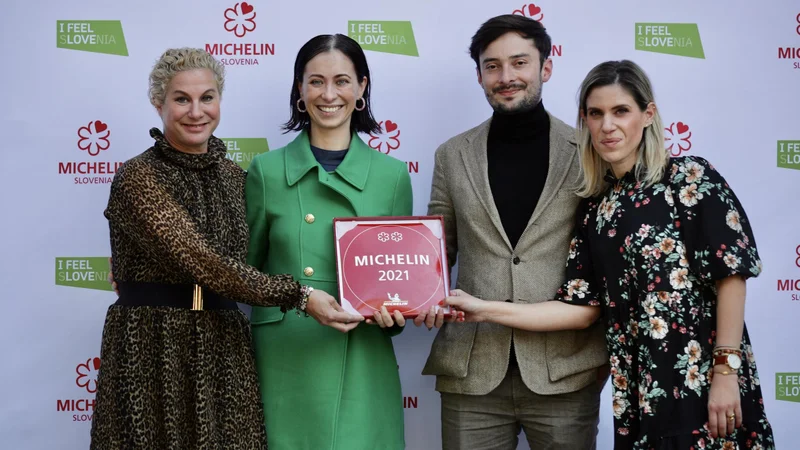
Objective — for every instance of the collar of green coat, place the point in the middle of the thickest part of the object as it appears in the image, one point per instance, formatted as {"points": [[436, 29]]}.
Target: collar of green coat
{"points": [[353, 169]]}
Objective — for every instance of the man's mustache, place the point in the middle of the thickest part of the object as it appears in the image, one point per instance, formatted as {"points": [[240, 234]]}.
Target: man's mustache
{"points": [[506, 87]]}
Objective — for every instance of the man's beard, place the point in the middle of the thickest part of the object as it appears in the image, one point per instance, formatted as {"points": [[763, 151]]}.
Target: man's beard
{"points": [[527, 103]]}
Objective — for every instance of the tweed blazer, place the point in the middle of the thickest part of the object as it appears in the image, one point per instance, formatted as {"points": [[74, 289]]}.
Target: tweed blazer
{"points": [[472, 358]]}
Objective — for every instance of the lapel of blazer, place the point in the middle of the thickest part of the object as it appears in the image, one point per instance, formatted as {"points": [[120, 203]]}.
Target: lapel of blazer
{"points": [[352, 173], [477, 164], [349, 178], [562, 152]]}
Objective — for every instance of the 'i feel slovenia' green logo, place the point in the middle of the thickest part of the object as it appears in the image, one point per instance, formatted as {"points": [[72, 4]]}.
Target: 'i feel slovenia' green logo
{"points": [[681, 39], [789, 154], [89, 272], [384, 36], [98, 36], [243, 150], [787, 386]]}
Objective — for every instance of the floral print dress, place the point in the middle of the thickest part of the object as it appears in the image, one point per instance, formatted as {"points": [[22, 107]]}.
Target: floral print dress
{"points": [[650, 257]]}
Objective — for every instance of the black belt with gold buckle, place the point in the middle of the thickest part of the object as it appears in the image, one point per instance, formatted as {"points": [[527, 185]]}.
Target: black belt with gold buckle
{"points": [[184, 296]]}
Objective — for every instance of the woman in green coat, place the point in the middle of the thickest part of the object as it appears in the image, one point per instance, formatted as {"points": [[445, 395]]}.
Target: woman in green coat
{"points": [[324, 389]]}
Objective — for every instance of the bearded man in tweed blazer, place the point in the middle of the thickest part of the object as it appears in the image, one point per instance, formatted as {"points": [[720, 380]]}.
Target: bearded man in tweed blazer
{"points": [[507, 192]]}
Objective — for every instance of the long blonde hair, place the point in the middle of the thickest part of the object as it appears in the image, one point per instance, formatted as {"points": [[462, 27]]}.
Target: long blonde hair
{"points": [[653, 156]]}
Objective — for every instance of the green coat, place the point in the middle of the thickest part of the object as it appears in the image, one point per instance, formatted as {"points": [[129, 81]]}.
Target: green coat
{"points": [[322, 389]]}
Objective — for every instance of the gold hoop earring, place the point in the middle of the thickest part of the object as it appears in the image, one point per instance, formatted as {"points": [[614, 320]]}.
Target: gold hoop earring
{"points": [[363, 104], [302, 110]]}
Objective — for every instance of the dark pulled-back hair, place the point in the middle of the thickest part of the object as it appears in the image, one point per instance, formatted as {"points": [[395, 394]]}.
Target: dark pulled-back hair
{"points": [[495, 27], [361, 121]]}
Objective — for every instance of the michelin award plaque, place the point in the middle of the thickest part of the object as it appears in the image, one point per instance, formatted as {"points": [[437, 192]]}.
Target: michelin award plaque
{"points": [[396, 262]]}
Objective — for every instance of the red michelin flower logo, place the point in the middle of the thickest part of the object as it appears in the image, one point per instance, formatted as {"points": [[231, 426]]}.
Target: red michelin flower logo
{"points": [[530, 10], [677, 138], [94, 137], [388, 140], [798, 23], [797, 261], [240, 19], [87, 374]]}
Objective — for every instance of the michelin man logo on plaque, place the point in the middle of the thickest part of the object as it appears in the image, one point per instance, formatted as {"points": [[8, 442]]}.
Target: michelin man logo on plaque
{"points": [[79, 108]]}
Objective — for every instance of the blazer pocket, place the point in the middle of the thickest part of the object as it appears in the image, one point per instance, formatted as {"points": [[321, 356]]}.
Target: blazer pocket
{"points": [[571, 352], [451, 350], [266, 314]]}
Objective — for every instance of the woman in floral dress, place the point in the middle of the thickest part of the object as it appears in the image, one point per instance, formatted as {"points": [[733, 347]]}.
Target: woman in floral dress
{"points": [[662, 249]]}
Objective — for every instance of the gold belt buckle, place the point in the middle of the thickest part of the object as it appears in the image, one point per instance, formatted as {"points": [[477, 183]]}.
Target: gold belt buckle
{"points": [[197, 299]]}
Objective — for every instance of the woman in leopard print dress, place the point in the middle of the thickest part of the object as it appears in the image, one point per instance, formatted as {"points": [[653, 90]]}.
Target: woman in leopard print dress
{"points": [[175, 374]]}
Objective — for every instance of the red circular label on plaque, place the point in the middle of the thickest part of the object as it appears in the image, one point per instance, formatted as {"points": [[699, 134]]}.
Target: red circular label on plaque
{"points": [[397, 266]]}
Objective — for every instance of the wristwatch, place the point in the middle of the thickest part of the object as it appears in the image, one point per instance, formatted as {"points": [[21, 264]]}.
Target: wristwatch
{"points": [[732, 360]]}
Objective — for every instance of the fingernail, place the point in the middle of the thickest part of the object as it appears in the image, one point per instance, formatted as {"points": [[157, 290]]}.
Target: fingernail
{"points": [[441, 303]]}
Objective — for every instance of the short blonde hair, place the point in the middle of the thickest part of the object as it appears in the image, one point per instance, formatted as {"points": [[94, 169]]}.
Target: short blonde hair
{"points": [[176, 60], [653, 156]]}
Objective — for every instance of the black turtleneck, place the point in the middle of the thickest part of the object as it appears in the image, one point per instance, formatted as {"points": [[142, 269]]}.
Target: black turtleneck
{"points": [[518, 151]]}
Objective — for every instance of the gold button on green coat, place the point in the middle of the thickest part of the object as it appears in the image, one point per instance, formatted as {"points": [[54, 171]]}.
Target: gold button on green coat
{"points": [[343, 387], [308, 271], [309, 218]]}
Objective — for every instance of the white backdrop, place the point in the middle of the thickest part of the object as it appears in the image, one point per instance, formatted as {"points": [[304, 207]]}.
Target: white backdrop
{"points": [[90, 106]]}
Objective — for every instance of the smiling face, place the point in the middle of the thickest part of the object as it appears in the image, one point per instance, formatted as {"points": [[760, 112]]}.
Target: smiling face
{"points": [[329, 89], [511, 75], [190, 112], [616, 124]]}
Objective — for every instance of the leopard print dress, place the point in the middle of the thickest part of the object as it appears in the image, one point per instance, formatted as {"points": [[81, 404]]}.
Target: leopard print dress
{"points": [[174, 378]]}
